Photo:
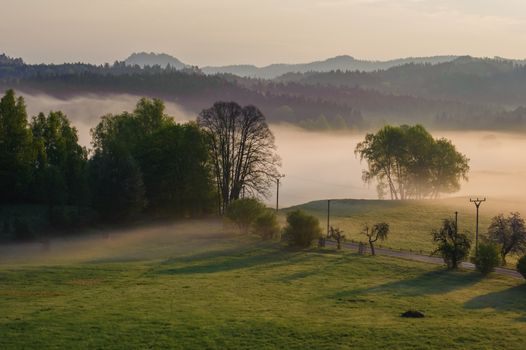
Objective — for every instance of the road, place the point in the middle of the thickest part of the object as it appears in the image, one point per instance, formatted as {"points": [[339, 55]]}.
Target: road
{"points": [[426, 258]]}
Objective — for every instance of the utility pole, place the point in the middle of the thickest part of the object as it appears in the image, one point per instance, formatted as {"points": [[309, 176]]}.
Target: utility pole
{"points": [[477, 202], [277, 190], [328, 215]]}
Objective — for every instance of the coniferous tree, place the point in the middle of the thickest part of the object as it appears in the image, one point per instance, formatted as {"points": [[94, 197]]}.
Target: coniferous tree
{"points": [[17, 153]]}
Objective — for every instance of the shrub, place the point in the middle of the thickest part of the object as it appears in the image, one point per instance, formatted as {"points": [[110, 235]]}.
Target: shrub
{"points": [[521, 266], [302, 229], [337, 235], [244, 212], [452, 246], [266, 225], [487, 258]]}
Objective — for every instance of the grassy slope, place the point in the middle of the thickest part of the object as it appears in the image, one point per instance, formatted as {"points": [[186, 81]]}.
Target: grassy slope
{"points": [[411, 221], [194, 287]]}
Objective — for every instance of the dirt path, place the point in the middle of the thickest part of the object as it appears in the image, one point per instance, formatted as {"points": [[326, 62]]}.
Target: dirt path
{"points": [[428, 259]]}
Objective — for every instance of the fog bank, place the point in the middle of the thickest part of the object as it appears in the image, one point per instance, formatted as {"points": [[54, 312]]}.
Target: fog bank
{"points": [[85, 111], [323, 165]]}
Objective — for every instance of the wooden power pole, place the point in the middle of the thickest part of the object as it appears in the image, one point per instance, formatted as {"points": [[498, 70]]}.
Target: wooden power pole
{"points": [[477, 202]]}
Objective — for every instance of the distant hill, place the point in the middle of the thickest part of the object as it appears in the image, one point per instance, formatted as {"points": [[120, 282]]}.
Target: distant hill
{"points": [[467, 79], [152, 59], [466, 93], [343, 63]]}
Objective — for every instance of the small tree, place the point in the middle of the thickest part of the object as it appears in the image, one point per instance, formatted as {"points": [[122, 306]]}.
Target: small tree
{"points": [[266, 225], [337, 235], [509, 233], [487, 258], [302, 229], [521, 266], [244, 212], [377, 232], [452, 246]]}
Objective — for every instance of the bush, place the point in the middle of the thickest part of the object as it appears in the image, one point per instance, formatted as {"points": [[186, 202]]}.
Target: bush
{"points": [[521, 266], [452, 245], [244, 212], [302, 229], [266, 225], [487, 258]]}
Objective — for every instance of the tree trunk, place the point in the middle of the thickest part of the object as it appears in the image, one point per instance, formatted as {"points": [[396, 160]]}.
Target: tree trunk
{"points": [[372, 248]]}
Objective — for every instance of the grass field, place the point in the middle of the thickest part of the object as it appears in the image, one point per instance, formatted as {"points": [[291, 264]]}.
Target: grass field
{"points": [[411, 222], [192, 285]]}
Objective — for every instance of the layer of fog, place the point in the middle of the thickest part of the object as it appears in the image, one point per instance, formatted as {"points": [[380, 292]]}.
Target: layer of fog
{"points": [[141, 242], [323, 165], [85, 111]]}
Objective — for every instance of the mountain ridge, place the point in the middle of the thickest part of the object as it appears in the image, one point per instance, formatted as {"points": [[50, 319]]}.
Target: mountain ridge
{"points": [[340, 62], [274, 70]]}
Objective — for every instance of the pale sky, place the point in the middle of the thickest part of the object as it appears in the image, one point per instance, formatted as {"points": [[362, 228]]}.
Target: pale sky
{"points": [[218, 32]]}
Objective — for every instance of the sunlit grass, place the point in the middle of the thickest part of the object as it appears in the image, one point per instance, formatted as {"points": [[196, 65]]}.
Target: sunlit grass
{"points": [[173, 287], [411, 222]]}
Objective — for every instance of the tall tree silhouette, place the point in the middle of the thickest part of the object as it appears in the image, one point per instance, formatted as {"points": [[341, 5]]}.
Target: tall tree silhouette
{"points": [[242, 150], [16, 149]]}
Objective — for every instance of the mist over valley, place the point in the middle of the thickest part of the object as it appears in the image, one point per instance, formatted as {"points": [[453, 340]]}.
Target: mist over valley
{"points": [[276, 174]]}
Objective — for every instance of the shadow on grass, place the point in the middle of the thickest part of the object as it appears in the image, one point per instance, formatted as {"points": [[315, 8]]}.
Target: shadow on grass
{"points": [[209, 254], [268, 256], [324, 268], [512, 299], [428, 283]]}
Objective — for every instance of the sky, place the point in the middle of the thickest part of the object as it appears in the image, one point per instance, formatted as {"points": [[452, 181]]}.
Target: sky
{"points": [[261, 32]]}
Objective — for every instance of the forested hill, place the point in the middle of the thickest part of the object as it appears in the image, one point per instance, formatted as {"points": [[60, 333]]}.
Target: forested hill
{"points": [[485, 81], [310, 101], [344, 63]]}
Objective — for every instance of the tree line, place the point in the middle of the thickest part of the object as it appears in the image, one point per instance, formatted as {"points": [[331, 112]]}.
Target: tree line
{"points": [[141, 162], [144, 162]]}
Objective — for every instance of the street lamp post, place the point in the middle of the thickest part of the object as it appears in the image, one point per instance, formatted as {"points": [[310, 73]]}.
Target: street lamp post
{"points": [[278, 179]]}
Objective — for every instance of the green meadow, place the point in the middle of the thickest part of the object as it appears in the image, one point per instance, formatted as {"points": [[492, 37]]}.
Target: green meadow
{"points": [[411, 221], [198, 285]]}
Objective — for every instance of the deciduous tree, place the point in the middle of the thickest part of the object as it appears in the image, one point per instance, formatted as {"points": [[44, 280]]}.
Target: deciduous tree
{"points": [[378, 231], [243, 154], [406, 162], [452, 245], [509, 233]]}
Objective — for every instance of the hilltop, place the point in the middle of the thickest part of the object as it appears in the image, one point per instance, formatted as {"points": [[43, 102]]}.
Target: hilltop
{"points": [[153, 59]]}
